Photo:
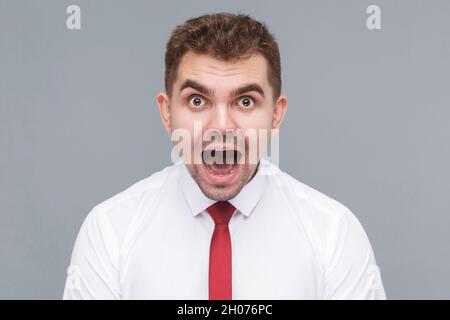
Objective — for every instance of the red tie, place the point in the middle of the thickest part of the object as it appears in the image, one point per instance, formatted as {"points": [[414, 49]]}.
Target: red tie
{"points": [[220, 252]]}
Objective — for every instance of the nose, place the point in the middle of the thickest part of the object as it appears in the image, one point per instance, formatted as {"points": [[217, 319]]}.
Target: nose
{"points": [[221, 119]]}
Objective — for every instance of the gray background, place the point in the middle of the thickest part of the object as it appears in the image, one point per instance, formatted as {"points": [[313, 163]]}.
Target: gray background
{"points": [[367, 124]]}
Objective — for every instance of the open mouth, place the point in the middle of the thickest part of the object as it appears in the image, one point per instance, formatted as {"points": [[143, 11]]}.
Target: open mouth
{"points": [[221, 165]]}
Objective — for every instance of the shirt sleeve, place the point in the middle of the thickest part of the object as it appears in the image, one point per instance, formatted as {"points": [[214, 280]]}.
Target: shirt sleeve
{"points": [[351, 272], [93, 272]]}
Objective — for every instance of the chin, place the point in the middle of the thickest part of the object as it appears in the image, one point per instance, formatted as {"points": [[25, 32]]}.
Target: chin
{"points": [[221, 188]]}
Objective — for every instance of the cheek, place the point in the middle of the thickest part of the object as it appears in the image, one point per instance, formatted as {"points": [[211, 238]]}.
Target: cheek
{"points": [[256, 120], [182, 117], [257, 128], [189, 125]]}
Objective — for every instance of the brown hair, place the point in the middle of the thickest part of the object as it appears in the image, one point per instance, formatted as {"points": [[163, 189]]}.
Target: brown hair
{"points": [[224, 36]]}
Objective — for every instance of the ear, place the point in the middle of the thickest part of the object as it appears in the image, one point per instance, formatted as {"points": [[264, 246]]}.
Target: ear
{"points": [[164, 110], [280, 110]]}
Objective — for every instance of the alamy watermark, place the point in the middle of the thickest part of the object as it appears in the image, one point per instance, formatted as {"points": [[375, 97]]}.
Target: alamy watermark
{"points": [[234, 146]]}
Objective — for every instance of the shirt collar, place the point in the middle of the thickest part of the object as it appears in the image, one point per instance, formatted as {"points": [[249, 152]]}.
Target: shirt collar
{"points": [[245, 201]]}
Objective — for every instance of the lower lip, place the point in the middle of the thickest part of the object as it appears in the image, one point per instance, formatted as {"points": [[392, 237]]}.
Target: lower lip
{"points": [[219, 178]]}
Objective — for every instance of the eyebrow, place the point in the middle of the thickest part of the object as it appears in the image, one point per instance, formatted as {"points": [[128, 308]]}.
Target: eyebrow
{"points": [[188, 83]]}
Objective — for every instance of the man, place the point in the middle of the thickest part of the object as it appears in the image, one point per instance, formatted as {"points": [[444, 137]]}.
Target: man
{"points": [[204, 228]]}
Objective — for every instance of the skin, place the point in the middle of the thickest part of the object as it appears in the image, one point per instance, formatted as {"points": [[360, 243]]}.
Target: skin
{"points": [[220, 110]]}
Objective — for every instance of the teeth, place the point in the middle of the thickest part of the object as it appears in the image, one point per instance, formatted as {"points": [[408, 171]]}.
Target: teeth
{"points": [[221, 156]]}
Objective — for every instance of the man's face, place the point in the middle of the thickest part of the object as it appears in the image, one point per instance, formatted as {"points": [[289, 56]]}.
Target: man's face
{"points": [[224, 97]]}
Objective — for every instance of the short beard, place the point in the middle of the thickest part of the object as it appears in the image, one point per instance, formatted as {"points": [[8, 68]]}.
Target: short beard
{"points": [[219, 194]]}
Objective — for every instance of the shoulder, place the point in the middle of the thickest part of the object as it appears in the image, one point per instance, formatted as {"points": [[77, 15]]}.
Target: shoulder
{"points": [[327, 221], [117, 212], [304, 199]]}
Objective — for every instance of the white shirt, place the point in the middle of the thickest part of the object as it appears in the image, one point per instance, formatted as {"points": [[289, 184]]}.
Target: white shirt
{"points": [[289, 241]]}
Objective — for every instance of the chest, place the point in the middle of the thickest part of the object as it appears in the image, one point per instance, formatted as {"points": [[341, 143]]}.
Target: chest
{"points": [[271, 259]]}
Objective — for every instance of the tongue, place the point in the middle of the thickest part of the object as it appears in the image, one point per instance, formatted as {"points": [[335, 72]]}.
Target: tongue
{"points": [[221, 168]]}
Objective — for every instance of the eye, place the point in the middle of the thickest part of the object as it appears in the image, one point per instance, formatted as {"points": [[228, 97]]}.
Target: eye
{"points": [[196, 101], [247, 102]]}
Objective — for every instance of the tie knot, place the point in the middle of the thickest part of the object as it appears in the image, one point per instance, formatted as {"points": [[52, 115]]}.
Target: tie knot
{"points": [[221, 212]]}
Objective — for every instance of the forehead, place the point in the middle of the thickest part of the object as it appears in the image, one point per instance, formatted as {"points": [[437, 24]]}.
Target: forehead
{"points": [[214, 71]]}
